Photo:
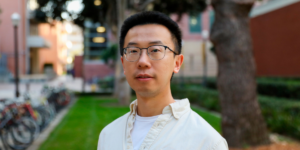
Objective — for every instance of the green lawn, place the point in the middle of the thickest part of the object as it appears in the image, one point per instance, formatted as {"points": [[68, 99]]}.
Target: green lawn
{"points": [[80, 128]]}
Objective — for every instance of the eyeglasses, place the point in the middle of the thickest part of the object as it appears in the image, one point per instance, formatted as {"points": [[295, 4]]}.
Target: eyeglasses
{"points": [[155, 52]]}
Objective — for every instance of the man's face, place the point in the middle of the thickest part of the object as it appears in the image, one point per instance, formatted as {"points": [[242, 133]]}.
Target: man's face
{"points": [[146, 76]]}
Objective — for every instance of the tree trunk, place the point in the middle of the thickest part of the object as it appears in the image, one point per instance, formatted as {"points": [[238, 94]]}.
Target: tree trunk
{"points": [[242, 121], [122, 89]]}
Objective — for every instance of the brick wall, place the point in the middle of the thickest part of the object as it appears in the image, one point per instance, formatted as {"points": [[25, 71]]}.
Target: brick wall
{"points": [[276, 45]]}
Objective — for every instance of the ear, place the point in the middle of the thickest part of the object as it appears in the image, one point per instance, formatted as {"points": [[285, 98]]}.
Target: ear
{"points": [[178, 63], [123, 63]]}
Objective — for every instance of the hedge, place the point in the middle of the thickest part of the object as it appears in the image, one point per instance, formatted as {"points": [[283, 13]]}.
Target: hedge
{"points": [[281, 115], [289, 89], [279, 89]]}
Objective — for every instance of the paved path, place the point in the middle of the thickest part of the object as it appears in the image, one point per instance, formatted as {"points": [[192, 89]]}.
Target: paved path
{"points": [[7, 90]]}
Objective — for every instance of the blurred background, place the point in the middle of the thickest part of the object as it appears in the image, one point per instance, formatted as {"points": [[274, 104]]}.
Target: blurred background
{"points": [[65, 53]]}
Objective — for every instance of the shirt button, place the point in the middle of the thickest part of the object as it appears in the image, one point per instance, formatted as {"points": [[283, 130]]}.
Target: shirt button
{"points": [[128, 147]]}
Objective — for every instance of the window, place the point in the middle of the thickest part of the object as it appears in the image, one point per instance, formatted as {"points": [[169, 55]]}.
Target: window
{"points": [[195, 23], [211, 17]]}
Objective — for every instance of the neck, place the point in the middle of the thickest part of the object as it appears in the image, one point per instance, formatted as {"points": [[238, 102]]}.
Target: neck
{"points": [[153, 106]]}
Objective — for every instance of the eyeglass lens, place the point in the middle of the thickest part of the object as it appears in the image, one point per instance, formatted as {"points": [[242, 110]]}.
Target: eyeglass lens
{"points": [[154, 52]]}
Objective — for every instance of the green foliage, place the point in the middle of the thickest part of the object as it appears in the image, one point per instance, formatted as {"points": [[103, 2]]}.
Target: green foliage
{"points": [[283, 89], [107, 11], [281, 115], [54, 9], [277, 87], [110, 53], [40, 16], [201, 96], [193, 7], [106, 83]]}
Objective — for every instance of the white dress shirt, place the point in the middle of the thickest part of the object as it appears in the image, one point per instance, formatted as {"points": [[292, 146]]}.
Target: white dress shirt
{"points": [[177, 128], [141, 127]]}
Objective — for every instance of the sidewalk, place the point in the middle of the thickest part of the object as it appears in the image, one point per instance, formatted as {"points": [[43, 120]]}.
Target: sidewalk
{"points": [[7, 90]]}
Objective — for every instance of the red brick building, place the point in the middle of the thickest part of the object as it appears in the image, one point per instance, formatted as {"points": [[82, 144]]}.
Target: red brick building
{"points": [[7, 44], [92, 69], [275, 28]]}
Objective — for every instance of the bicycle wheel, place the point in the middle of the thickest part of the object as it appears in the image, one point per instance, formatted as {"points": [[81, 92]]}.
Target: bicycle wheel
{"points": [[52, 111], [32, 124], [17, 136], [45, 116], [39, 118]]}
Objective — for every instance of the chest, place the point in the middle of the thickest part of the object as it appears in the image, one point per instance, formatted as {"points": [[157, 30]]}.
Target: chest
{"points": [[165, 133]]}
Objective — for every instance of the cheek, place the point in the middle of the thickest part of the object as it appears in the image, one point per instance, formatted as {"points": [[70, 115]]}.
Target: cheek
{"points": [[164, 69], [128, 70]]}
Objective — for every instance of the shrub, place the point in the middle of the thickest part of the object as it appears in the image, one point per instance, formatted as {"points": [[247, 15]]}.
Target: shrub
{"points": [[204, 97], [288, 88], [279, 89], [281, 115], [106, 83]]}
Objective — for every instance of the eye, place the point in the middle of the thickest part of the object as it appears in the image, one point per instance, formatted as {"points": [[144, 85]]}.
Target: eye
{"points": [[133, 51], [155, 50]]}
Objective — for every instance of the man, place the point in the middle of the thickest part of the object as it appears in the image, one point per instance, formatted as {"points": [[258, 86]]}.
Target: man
{"points": [[150, 47]]}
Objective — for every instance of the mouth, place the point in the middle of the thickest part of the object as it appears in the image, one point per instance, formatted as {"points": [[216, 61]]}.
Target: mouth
{"points": [[143, 77]]}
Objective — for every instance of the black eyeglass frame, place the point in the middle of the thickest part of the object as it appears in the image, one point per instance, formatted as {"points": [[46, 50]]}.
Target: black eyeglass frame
{"points": [[124, 52]]}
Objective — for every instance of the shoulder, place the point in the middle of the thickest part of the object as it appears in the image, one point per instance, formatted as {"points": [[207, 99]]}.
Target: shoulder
{"points": [[113, 133], [202, 125], [116, 124], [209, 135]]}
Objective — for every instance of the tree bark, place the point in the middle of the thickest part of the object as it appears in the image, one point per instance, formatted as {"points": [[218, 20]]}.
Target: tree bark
{"points": [[242, 121], [122, 89]]}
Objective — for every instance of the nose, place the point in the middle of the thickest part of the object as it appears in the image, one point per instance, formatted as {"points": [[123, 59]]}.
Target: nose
{"points": [[144, 60]]}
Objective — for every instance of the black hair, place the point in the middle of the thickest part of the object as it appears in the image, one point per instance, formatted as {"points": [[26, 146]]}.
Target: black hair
{"points": [[151, 17]]}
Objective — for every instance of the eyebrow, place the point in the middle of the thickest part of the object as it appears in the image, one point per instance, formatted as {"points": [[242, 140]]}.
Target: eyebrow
{"points": [[156, 42], [153, 42], [132, 43]]}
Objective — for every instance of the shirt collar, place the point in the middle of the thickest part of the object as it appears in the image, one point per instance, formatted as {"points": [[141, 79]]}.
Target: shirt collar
{"points": [[177, 109]]}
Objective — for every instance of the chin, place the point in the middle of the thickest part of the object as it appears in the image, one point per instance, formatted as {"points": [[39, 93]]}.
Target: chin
{"points": [[145, 92]]}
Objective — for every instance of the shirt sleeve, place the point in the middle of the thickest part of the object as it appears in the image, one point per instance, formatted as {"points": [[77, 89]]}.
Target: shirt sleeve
{"points": [[221, 145]]}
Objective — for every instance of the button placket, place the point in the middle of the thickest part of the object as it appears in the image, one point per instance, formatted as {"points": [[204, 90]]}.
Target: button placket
{"points": [[155, 130], [129, 128]]}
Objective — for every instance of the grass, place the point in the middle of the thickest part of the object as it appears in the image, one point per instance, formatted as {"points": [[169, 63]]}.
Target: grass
{"points": [[80, 128]]}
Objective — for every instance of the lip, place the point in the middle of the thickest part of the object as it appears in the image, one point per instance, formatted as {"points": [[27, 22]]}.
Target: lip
{"points": [[146, 77]]}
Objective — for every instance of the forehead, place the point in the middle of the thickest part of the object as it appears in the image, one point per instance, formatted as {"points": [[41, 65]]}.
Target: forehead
{"points": [[143, 34]]}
